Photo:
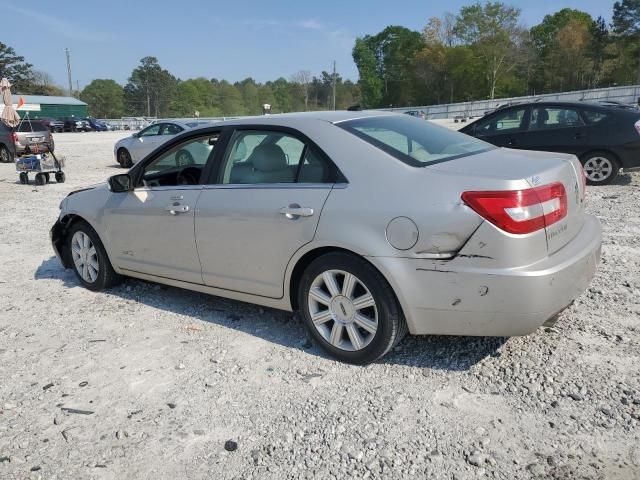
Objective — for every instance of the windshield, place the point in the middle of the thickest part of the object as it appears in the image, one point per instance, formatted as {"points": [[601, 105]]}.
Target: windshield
{"points": [[414, 141], [32, 127]]}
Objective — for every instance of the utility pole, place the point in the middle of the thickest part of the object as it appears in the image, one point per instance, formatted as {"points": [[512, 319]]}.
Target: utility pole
{"points": [[66, 51], [77, 87], [334, 85]]}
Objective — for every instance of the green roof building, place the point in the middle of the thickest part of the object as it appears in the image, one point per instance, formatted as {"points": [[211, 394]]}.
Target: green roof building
{"points": [[43, 106]]}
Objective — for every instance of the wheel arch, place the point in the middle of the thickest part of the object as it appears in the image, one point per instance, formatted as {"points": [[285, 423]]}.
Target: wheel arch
{"points": [[309, 256], [60, 231], [615, 156]]}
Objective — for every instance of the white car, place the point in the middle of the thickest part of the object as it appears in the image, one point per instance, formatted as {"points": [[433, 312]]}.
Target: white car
{"points": [[131, 150]]}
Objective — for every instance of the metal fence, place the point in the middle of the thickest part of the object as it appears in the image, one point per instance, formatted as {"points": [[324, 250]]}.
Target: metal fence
{"points": [[627, 95]]}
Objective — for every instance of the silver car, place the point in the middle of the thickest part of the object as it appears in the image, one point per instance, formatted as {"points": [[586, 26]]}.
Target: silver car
{"points": [[370, 224], [130, 150]]}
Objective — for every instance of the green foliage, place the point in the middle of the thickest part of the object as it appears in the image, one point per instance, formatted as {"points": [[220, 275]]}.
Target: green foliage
{"points": [[150, 89], [16, 69], [105, 98]]}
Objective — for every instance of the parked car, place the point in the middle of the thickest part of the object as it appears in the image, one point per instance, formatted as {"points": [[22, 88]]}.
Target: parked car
{"points": [[605, 137], [371, 224], [75, 124], [52, 124], [416, 113], [7, 144], [132, 149], [96, 125], [32, 136]]}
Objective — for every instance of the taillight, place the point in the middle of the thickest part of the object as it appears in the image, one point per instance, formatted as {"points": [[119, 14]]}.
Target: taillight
{"points": [[14, 137], [520, 211], [637, 125]]}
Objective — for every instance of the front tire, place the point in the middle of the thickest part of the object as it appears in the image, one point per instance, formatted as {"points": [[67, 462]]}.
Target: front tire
{"points": [[350, 309], [600, 168], [90, 260], [124, 158]]}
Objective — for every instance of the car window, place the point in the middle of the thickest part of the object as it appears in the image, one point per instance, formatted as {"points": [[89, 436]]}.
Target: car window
{"points": [[543, 118], [262, 157], [170, 129], [594, 117], [150, 131], [508, 121], [413, 140], [32, 127], [182, 165]]}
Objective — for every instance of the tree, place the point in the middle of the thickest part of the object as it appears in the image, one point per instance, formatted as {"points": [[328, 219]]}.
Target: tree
{"points": [[493, 31], [302, 79], [14, 68], [42, 84], [386, 60], [105, 98], [150, 89], [626, 25]]}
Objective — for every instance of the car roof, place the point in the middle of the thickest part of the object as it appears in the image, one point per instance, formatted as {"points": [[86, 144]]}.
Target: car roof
{"points": [[291, 119], [603, 104]]}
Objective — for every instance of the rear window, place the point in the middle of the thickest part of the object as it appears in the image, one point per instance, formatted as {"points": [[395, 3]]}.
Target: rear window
{"points": [[414, 141], [593, 116], [32, 127]]}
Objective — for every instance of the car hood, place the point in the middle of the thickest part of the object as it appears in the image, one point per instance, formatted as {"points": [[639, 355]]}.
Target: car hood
{"points": [[101, 186]]}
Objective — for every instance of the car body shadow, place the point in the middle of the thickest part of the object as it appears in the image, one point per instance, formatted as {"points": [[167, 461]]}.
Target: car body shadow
{"points": [[438, 352], [622, 180]]}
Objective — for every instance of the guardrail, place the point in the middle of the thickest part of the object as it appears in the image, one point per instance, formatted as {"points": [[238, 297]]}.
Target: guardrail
{"points": [[628, 95]]}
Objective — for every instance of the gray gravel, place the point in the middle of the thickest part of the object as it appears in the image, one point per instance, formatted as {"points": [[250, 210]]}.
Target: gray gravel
{"points": [[147, 381]]}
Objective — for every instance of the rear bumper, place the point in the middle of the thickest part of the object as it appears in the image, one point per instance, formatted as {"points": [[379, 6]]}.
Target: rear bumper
{"points": [[467, 300]]}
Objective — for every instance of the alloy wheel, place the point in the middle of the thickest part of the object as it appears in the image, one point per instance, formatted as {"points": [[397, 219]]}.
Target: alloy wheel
{"points": [[598, 169], [85, 256], [343, 310]]}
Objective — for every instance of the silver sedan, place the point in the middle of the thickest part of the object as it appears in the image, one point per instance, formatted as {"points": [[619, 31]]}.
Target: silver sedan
{"points": [[371, 224]]}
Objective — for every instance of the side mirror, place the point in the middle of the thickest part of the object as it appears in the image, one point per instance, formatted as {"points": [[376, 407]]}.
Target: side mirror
{"points": [[120, 183], [135, 135]]}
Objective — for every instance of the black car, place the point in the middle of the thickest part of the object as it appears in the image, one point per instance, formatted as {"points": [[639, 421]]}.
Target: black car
{"points": [[604, 136], [53, 124]]}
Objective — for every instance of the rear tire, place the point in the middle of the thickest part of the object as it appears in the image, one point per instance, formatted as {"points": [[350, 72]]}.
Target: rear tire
{"points": [[349, 308], [40, 179], [60, 177], [124, 158], [601, 168], [24, 178], [90, 260], [5, 155]]}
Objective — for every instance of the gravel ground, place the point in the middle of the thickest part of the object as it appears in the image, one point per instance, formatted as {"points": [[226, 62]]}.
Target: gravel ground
{"points": [[170, 376]]}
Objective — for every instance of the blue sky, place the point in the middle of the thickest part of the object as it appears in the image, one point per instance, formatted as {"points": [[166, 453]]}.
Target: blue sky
{"points": [[232, 40]]}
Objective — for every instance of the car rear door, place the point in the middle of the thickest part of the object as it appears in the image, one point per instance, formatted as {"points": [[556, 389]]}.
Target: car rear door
{"points": [[502, 128], [261, 206], [555, 129]]}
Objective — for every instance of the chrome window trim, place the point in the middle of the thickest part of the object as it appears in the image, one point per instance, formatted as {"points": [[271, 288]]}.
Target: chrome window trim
{"points": [[167, 188], [269, 186]]}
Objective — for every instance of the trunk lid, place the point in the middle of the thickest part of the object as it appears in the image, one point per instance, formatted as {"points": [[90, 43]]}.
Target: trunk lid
{"points": [[506, 166]]}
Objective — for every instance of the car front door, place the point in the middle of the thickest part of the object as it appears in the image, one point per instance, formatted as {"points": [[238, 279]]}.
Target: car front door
{"points": [[151, 227], [263, 205], [502, 128], [145, 141], [555, 129]]}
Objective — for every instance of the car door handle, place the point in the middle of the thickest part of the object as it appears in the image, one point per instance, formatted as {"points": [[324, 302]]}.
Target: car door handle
{"points": [[294, 211], [175, 209], [579, 135]]}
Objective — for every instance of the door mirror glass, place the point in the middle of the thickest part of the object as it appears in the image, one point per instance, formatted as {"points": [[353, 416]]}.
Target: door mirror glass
{"points": [[120, 183]]}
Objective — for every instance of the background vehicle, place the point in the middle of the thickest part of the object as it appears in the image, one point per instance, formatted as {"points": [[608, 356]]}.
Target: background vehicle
{"points": [[416, 113], [288, 211], [52, 124], [74, 124], [96, 125], [132, 149], [7, 144], [32, 135], [605, 137]]}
